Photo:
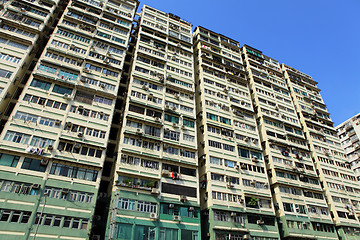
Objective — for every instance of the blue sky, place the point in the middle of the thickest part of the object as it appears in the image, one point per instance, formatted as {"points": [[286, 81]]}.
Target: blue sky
{"points": [[318, 37]]}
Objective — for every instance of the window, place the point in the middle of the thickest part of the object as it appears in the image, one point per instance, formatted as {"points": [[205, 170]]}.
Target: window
{"points": [[217, 177], [73, 172], [225, 120], [244, 153], [75, 223], [172, 119], [5, 73], [62, 90], [47, 122], [41, 142], [17, 137], [33, 164], [67, 221], [40, 84], [189, 138], [5, 214], [8, 160], [221, 216], [178, 190], [188, 171], [48, 220], [288, 207], [146, 207], [57, 221], [188, 123], [215, 160], [153, 131], [169, 234], [300, 208], [212, 116], [172, 135], [144, 232], [126, 204]]}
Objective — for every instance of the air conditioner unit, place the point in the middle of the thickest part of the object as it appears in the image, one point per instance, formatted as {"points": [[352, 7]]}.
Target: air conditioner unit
{"points": [[266, 185], [80, 134], [246, 237], [230, 185], [259, 222], [255, 159], [66, 96], [165, 173], [171, 205], [202, 157], [175, 125], [157, 119], [173, 108], [154, 191], [87, 70], [44, 162], [253, 182], [191, 209], [182, 198], [167, 107], [102, 85], [233, 214], [65, 191], [139, 131], [153, 216], [50, 147], [176, 218], [145, 87], [177, 96], [35, 186], [165, 146]]}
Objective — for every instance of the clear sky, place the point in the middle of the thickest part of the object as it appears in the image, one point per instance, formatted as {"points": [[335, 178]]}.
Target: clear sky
{"points": [[318, 37]]}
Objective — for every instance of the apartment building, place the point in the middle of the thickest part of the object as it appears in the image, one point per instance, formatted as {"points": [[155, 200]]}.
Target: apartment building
{"points": [[234, 189], [349, 132], [338, 182], [296, 190], [53, 144], [24, 26], [155, 192]]}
